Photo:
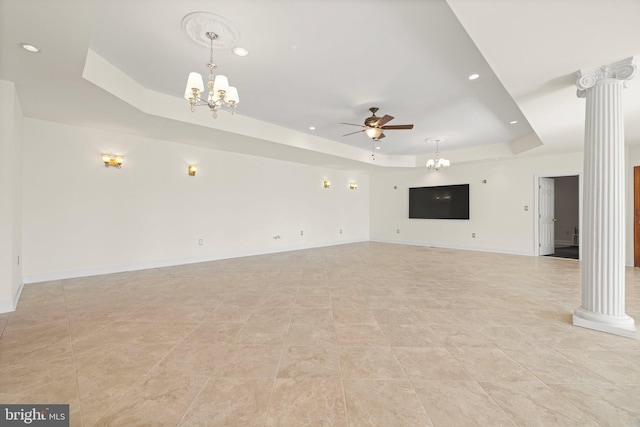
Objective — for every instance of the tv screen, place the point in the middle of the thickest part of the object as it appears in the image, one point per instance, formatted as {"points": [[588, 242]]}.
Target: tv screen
{"points": [[443, 202]]}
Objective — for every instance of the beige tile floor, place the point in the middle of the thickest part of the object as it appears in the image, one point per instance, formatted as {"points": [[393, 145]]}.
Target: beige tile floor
{"points": [[365, 334]]}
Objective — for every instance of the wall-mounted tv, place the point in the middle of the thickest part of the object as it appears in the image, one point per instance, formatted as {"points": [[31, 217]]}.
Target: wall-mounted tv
{"points": [[442, 202]]}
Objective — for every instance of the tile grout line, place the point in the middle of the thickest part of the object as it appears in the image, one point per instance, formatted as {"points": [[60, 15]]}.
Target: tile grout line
{"points": [[211, 375], [208, 379], [202, 322], [484, 389], [141, 377], [275, 377], [73, 353], [344, 393], [413, 387]]}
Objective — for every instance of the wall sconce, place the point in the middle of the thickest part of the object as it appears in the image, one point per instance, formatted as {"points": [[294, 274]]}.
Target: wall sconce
{"points": [[326, 184], [192, 170], [353, 185], [112, 160]]}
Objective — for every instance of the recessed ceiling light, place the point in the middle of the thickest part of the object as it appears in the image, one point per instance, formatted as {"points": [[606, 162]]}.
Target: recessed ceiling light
{"points": [[513, 122], [474, 76], [240, 51], [378, 148], [312, 128], [29, 47]]}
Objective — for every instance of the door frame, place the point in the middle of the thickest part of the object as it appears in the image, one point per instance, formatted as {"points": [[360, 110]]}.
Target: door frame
{"points": [[536, 207], [546, 216], [636, 216]]}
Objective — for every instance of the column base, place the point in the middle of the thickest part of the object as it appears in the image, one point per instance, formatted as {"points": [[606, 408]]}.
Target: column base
{"points": [[618, 325]]}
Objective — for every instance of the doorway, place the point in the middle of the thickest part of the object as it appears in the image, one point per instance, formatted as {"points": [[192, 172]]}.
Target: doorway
{"points": [[558, 201]]}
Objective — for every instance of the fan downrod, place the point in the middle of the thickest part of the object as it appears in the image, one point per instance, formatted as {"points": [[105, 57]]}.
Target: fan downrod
{"points": [[370, 121]]}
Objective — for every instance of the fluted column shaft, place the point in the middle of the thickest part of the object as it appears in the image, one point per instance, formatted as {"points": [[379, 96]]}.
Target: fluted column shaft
{"points": [[603, 230]]}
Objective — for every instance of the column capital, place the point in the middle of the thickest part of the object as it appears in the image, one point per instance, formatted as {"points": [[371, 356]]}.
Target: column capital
{"points": [[623, 71]]}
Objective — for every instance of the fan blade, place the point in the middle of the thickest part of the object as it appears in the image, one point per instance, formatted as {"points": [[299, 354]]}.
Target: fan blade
{"points": [[385, 119], [398, 127], [351, 124], [381, 136], [358, 131]]}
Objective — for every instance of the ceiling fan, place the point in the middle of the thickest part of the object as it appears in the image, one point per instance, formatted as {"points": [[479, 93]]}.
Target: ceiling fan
{"points": [[375, 126]]}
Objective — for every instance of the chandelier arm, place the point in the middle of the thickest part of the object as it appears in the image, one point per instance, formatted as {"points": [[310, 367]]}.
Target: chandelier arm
{"points": [[212, 105], [199, 102], [219, 104]]}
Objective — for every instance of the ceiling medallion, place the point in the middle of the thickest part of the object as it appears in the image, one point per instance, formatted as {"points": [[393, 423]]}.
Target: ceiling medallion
{"points": [[196, 25]]}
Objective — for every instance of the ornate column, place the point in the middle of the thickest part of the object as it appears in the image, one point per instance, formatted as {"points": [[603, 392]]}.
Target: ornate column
{"points": [[603, 237]]}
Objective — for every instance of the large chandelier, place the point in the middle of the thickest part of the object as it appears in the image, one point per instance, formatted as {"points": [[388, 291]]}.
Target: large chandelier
{"points": [[221, 95], [437, 163]]}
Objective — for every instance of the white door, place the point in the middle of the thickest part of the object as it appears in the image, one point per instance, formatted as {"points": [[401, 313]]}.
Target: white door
{"points": [[546, 216]]}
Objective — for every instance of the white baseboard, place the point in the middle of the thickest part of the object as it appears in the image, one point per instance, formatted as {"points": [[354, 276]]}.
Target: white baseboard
{"points": [[7, 306], [463, 248], [96, 271]]}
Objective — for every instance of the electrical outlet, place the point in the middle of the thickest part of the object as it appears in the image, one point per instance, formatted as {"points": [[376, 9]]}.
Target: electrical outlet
{"points": [[473, 235], [200, 242], [526, 208], [301, 233], [398, 231], [341, 231]]}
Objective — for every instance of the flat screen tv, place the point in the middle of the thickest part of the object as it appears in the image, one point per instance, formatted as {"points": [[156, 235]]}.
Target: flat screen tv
{"points": [[442, 202]]}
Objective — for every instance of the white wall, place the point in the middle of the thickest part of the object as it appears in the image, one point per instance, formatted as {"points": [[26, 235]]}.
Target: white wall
{"points": [[10, 196], [497, 213], [81, 218]]}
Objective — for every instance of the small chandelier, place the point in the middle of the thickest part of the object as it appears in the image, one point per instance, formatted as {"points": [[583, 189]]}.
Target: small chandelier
{"points": [[221, 95], [437, 163]]}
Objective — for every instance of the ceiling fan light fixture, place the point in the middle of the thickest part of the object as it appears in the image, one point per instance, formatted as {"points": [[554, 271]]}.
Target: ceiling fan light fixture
{"points": [[373, 133], [374, 126]]}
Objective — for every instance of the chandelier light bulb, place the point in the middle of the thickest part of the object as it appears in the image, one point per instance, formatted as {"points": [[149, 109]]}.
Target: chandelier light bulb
{"points": [[232, 95]]}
